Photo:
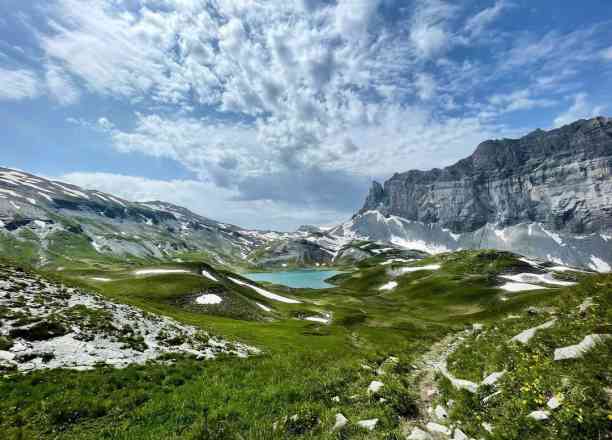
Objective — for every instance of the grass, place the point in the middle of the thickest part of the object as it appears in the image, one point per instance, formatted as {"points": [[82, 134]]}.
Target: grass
{"points": [[287, 391], [533, 377]]}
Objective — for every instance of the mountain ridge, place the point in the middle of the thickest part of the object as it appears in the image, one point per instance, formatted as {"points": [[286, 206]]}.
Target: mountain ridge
{"points": [[552, 177]]}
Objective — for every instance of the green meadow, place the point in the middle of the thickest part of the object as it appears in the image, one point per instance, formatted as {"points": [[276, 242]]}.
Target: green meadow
{"points": [[309, 371]]}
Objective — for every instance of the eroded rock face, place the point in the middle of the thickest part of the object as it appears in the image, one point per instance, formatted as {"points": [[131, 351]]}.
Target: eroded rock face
{"points": [[560, 178]]}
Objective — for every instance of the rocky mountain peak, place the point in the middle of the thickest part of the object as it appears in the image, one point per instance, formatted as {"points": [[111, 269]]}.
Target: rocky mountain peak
{"points": [[560, 178]]}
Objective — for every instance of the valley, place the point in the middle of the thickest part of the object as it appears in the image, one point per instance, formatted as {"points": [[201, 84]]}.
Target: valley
{"points": [[364, 349], [425, 316]]}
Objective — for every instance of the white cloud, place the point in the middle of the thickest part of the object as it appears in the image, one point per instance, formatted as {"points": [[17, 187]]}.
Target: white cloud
{"points": [[580, 109], [477, 24], [60, 87], [606, 54], [425, 85], [518, 100], [321, 91], [429, 31], [205, 199], [18, 85]]}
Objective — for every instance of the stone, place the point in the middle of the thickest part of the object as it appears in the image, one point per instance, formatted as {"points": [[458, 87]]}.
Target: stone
{"points": [[554, 402], [492, 378], [490, 396], [341, 422], [441, 413], [487, 427], [375, 386], [525, 336], [539, 415], [436, 428], [368, 424], [578, 350], [459, 435], [460, 384], [419, 434]]}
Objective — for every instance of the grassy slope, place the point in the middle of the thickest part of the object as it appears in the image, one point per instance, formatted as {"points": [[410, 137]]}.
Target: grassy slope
{"points": [[305, 364]]}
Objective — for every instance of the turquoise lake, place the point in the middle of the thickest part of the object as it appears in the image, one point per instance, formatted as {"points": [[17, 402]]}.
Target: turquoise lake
{"points": [[313, 279]]}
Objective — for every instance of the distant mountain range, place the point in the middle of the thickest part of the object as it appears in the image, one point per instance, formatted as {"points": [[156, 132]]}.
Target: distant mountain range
{"points": [[44, 222], [547, 195]]}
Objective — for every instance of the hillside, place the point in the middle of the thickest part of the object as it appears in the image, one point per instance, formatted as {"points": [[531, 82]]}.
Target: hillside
{"points": [[359, 356]]}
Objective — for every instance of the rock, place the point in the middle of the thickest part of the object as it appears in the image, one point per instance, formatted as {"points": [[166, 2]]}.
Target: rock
{"points": [[490, 396], [487, 427], [368, 424], [375, 386], [390, 362], [554, 402], [419, 434], [492, 378], [436, 428], [459, 435], [525, 336], [460, 384], [578, 350], [441, 413], [539, 415], [341, 422], [586, 304]]}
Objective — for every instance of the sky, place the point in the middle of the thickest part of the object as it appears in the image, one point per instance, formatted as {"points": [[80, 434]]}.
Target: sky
{"points": [[270, 114]]}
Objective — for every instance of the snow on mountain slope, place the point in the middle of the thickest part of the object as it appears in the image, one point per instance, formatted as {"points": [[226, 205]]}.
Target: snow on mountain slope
{"points": [[593, 251], [48, 216]]}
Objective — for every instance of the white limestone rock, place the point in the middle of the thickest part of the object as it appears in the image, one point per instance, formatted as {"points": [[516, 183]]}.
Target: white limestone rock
{"points": [[341, 422], [525, 336], [579, 350], [368, 424]]}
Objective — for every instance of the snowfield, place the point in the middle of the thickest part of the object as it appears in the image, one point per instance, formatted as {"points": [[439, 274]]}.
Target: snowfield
{"points": [[404, 270], [265, 293], [520, 287], [546, 278], [159, 271]]}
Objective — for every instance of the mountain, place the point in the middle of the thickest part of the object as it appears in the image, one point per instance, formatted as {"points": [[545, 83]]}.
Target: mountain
{"points": [[547, 194], [43, 220]]}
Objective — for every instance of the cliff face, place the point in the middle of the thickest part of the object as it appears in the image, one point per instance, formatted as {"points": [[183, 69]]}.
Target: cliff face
{"points": [[560, 178]]}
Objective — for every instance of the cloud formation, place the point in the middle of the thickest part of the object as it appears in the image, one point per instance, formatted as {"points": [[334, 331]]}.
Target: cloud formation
{"points": [[291, 101]]}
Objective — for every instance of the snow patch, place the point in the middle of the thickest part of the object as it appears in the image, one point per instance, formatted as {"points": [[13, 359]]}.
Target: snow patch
{"points": [[265, 293], [520, 287], [389, 286], [264, 308], [209, 276], [159, 271], [404, 270], [546, 278], [599, 265], [209, 298]]}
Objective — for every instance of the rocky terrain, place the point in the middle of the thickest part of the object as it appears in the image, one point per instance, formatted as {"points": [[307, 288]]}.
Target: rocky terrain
{"points": [[548, 194], [48, 325]]}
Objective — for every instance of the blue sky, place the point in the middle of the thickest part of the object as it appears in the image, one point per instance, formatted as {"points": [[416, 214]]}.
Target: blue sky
{"points": [[273, 114]]}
